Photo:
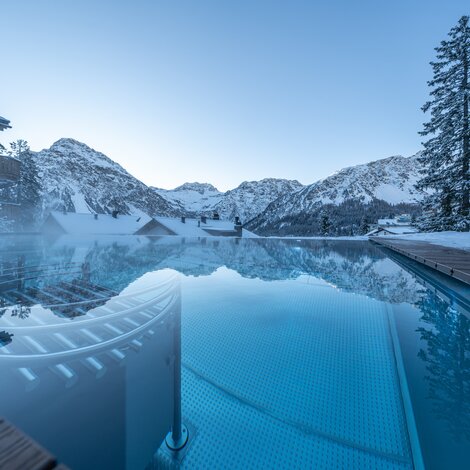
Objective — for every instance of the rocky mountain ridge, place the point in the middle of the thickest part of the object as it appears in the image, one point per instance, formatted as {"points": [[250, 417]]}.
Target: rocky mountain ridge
{"points": [[375, 189], [74, 177], [245, 201]]}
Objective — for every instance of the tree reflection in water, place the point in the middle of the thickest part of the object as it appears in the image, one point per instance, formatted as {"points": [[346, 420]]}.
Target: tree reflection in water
{"points": [[447, 357], [5, 338]]}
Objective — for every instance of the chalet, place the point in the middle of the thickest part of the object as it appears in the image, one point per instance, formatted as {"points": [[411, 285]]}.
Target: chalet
{"points": [[114, 224], [4, 123], [93, 224], [391, 230], [193, 227], [400, 225]]}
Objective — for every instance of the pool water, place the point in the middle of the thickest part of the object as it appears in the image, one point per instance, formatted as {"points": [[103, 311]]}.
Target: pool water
{"points": [[280, 353]]}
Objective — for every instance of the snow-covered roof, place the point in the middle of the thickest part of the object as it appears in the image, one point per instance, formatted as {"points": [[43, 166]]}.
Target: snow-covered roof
{"points": [[191, 229], [86, 223], [4, 123], [393, 230], [393, 222], [399, 229]]}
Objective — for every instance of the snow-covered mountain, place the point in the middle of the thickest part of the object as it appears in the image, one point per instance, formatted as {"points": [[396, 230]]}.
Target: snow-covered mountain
{"points": [[193, 198], [391, 180], [72, 176], [379, 185], [252, 197], [245, 201]]}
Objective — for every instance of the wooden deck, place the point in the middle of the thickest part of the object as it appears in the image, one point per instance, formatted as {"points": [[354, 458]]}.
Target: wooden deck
{"points": [[451, 261], [19, 452]]}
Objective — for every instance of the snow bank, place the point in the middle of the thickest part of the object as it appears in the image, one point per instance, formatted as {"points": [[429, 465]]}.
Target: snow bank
{"points": [[353, 238], [450, 239]]}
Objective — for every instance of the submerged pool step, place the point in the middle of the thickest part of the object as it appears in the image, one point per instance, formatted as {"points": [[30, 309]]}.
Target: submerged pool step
{"points": [[28, 375], [90, 342], [66, 373], [35, 345], [93, 364]]}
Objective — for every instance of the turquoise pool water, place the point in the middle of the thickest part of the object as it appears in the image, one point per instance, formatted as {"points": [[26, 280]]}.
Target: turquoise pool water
{"points": [[290, 354]]}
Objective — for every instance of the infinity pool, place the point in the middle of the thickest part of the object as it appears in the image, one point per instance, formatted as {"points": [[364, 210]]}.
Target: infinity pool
{"points": [[279, 354]]}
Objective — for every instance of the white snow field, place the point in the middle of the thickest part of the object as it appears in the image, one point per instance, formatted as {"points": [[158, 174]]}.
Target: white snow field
{"points": [[450, 239], [348, 238]]}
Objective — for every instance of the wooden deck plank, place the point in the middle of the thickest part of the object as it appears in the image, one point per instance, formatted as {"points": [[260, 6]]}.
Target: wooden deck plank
{"points": [[19, 452], [451, 261]]}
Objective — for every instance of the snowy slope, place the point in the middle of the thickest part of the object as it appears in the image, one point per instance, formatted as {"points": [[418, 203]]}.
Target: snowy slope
{"points": [[193, 198], [459, 240], [391, 180], [245, 201], [252, 197], [76, 178], [73, 177]]}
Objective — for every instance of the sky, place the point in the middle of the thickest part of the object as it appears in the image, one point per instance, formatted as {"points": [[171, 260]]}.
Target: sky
{"points": [[222, 91]]}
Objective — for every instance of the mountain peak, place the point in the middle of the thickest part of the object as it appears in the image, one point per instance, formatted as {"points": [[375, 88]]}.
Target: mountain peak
{"points": [[270, 182], [74, 177], [68, 143], [245, 201], [198, 187]]}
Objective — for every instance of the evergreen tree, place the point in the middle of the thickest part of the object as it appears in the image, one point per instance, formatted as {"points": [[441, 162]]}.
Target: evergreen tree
{"points": [[18, 147], [447, 152], [30, 192], [325, 224], [364, 226], [445, 336]]}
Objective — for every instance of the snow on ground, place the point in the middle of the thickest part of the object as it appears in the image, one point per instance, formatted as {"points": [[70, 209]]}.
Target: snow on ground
{"points": [[353, 238], [193, 197], [78, 200], [451, 239]]}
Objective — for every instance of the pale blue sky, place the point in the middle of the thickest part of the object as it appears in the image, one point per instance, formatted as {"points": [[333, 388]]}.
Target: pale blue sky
{"points": [[222, 91]]}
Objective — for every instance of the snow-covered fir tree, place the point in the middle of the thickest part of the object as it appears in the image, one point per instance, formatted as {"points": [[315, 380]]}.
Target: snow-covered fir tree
{"points": [[17, 148], [365, 228], [446, 153], [325, 224]]}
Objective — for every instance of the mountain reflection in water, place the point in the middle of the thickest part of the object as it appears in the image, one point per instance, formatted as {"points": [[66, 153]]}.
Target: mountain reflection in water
{"points": [[114, 263], [34, 270]]}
